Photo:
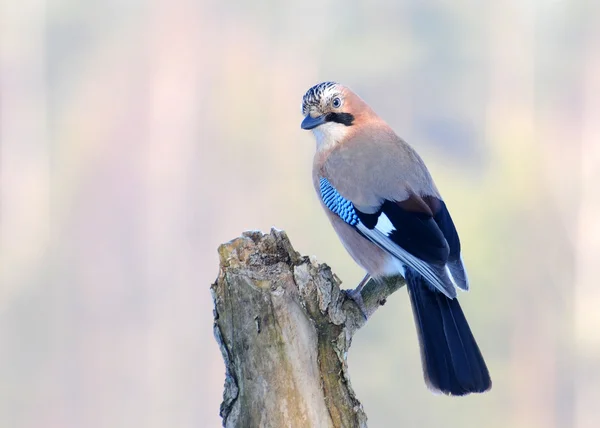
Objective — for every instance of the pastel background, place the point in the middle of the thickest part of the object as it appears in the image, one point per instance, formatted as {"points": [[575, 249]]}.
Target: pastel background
{"points": [[136, 136]]}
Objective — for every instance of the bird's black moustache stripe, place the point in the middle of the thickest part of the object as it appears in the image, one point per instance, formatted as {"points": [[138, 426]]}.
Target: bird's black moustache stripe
{"points": [[343, 118]]}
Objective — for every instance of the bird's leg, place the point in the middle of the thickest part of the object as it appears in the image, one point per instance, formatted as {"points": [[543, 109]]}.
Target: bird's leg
{"points": [[362, 283], [357, 296], [371, 294]]}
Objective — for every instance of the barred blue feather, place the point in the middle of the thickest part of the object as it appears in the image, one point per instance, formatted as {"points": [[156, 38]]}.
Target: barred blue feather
{"points": [[337, 204]]}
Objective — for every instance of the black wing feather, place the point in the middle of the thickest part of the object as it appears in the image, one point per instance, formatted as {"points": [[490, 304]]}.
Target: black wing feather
{"points": [[446, 225], [455, 264], [416, 232]]}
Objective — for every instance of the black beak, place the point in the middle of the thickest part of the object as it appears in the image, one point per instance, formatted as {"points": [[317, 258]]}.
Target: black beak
{"points": [[312, 122]]}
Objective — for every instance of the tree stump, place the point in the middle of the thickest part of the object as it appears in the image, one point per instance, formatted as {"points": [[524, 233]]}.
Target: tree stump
{"points": [[284, 328]]}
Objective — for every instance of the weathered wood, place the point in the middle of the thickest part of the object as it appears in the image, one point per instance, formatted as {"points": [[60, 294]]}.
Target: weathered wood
{"points": [[284, 328]]}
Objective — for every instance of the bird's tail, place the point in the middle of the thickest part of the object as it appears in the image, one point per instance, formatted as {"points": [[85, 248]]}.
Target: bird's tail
{"points": [[452, 362]]}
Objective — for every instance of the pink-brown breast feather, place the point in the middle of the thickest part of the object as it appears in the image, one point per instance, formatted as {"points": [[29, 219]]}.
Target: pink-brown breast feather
{"points": [[366, 254], [372, 165]]}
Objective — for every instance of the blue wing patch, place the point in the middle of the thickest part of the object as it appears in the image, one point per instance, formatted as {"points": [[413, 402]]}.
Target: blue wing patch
{"points": [[337, 204]]}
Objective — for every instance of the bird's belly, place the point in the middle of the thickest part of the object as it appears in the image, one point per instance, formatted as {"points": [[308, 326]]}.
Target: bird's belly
{"points": [[392, 267]]}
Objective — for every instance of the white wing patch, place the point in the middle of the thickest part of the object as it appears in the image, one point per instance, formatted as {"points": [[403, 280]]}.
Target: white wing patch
{"points": [[384, 225]]}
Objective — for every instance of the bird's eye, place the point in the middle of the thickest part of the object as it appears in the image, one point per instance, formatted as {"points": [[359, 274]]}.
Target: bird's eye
{"points": [[336, 103]]}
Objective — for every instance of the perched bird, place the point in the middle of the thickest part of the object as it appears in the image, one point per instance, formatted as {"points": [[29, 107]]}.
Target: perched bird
{"points": [[388, 213]]}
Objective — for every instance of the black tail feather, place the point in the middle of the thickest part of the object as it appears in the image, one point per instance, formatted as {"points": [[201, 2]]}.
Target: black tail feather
{"points": [[452, 362]]}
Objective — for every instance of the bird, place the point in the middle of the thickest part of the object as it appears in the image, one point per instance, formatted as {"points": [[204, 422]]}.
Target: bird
{"points": [[389, 215]]}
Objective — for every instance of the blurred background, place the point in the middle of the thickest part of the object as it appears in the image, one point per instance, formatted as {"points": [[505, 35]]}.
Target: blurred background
{"points": [[136, 136]]}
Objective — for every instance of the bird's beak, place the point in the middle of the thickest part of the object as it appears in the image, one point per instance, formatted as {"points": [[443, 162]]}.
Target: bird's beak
{"points": [[312, 122]]}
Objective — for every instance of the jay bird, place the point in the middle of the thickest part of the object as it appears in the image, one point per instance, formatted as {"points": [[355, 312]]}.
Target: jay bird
{"points": [[390, 217]]}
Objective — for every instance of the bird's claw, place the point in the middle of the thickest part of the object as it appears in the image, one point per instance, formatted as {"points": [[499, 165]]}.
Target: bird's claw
{"points": [[358, 300]]}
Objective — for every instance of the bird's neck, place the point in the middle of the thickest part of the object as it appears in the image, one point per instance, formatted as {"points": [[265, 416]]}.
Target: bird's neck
{"points": [[329, 135]]}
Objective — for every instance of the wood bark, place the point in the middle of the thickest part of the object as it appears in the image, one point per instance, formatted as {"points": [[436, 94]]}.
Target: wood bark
{"points": [[284, 328]]}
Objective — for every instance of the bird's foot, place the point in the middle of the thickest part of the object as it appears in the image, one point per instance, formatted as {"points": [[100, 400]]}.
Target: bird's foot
{"points": [[356, 295]]}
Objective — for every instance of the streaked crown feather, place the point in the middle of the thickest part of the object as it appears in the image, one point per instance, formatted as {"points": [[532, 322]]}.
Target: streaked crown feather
{"points": [[315, 95]]}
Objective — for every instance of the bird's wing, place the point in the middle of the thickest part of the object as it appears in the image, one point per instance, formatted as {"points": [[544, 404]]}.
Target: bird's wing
{"points": [[407, 230]]}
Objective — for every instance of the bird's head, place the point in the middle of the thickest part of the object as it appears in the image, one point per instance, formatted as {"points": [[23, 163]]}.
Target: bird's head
{"points": [[331, 110]]}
